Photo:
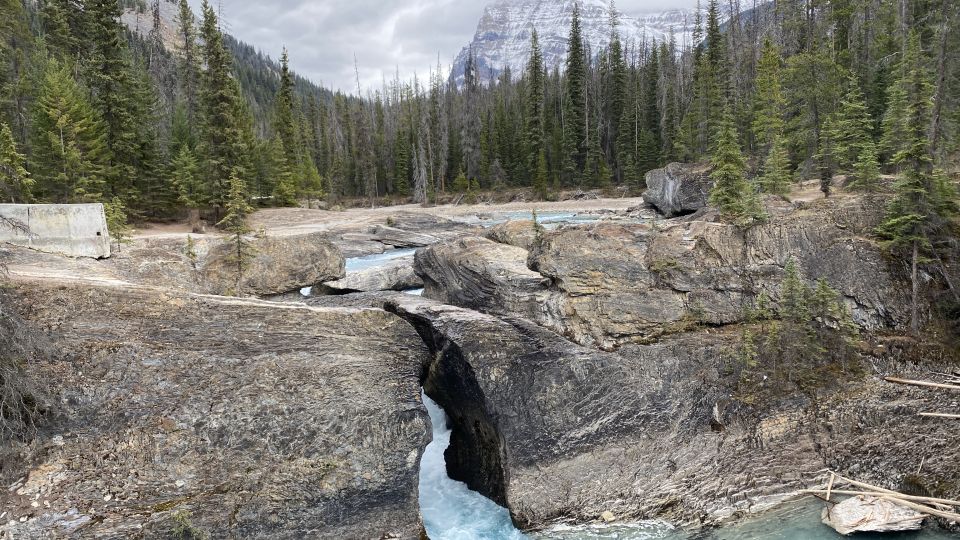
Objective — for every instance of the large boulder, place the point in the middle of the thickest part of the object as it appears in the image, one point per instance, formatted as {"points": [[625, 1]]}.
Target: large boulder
{"points": [[243, 418], [481, 274], [519, 233], [280, 264], [678, 188], [394, 275], [609, 284], [206, 264]]}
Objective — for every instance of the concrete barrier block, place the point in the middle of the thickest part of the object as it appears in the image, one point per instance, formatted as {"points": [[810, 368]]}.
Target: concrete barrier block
{"points": [[74, 230]]}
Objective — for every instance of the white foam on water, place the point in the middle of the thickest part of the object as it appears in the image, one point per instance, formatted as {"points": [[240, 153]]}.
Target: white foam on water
{"points": [[451, 511]]}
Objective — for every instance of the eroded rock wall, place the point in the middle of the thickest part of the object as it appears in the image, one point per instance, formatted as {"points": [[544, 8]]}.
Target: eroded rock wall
{"points": [[557, 431], [607, 285]]}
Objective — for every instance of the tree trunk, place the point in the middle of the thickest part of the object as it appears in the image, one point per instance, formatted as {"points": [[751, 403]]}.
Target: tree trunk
{"points": [[935, 123], [914, 318]]}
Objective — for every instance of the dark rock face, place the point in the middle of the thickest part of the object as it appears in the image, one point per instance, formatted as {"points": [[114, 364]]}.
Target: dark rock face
{"points": [[678, 188], [606, 285], [555, 431], [261, 420]]}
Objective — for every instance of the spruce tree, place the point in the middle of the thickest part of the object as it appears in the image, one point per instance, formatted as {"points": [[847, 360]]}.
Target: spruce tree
{"points": [[235, 224], [223, 145], [68, 141], [118, 97], [769, 102], [534, 111], [776, 175], [540, 179], [866, 171], [15, 181], [117, 221], [184, 174], [650, 135], [575, 127], [732, 194], [284, 125], [849, 128], [921, 215], [285, 188], [188, 68]]}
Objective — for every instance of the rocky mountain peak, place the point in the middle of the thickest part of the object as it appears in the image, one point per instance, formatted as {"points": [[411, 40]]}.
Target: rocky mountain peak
{"points": [[502, 39]]}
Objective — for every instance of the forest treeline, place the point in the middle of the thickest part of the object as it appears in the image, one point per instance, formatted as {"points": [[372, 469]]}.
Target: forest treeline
{"points": [[790, 89]]}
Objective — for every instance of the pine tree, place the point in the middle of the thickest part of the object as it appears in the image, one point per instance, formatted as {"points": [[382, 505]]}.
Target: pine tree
{"points": [[849, 128], [575, 127], [648, 152], [732, 194], [235, 223], [284, 125], [68, 141], [534, 112], [15, 181], [285, 188], [223, 147], [776, 175], [117, 222], [118, 98], [184, 174], [188, 68], [769, 102], [540, 177], [866, 171], [921, 215]]}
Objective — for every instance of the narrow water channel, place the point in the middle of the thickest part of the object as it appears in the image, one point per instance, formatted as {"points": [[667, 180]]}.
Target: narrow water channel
{"points": [[451, 511]]}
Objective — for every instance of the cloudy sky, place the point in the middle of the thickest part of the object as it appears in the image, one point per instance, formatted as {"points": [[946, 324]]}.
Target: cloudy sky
{"points": [[385, 35]]}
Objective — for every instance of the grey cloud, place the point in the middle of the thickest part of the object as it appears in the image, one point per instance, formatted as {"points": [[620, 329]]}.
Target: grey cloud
{"points": [[386, 36]]}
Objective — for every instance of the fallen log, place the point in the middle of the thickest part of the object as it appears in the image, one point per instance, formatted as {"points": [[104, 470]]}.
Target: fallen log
{"points": [[940, 415], [925, 384], [915, 498]]}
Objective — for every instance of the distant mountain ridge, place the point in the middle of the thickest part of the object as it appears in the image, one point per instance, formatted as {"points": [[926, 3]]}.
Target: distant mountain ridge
{"points": [[259, 75], [502, 39]]}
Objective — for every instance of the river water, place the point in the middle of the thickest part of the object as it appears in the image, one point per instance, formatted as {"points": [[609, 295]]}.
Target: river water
{"points": [[451, 511]]}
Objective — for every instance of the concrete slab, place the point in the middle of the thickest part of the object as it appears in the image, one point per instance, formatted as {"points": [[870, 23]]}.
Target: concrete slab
{"points": [[74, 230]]}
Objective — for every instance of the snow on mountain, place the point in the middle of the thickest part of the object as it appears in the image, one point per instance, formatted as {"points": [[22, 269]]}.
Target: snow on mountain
{"points": [[503, 35]]}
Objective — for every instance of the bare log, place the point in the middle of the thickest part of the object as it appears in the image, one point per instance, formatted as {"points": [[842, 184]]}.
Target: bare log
{"points": [[925, 384], [914, 498], [940, 415]]}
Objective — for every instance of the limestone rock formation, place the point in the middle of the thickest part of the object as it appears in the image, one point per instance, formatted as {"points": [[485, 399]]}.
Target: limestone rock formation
{"points": [[394, 275], [555, 431], [246, 418], [609, 284], [519, 233], [280, 264], [678, 188]]}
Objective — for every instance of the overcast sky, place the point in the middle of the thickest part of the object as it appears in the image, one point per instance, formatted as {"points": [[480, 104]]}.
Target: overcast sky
{"points": [[385, 35]]}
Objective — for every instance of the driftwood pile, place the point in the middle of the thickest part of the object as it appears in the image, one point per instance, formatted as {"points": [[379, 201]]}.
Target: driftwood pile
{"points": [[876, 509]]}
